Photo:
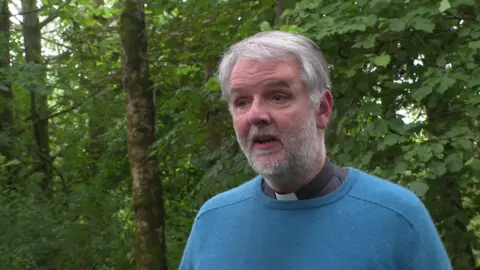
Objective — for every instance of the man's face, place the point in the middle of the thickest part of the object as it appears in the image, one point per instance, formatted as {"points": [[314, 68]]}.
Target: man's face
{"points": [[275, 124]]}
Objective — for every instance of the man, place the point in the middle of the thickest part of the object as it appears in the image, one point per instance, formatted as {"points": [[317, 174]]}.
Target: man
{"points": [[301, 211]]}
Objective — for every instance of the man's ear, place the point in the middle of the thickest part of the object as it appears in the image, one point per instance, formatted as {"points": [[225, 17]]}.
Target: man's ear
{"points": [[324, 110]]}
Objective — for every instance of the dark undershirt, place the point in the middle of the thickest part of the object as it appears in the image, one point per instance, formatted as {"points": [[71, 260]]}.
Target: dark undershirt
{"points": [[325, 182]]}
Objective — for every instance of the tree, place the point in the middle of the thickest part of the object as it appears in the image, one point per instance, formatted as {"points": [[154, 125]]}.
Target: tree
{"points": [[147, 193], [38, 89], [6, 94]]}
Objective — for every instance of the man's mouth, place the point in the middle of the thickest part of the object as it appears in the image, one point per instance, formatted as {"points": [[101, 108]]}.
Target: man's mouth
{"points": [[263, 142]]}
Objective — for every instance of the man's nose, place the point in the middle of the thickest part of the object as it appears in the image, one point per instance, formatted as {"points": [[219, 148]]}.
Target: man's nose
{"points": [[258, 113]]}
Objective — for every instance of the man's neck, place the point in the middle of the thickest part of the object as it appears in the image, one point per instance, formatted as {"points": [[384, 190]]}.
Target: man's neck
{"points": [[301, 179], [326, 181]]}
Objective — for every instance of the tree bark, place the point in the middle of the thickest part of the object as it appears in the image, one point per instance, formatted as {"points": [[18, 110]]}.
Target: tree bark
{"points": [[214, 116], [38, 97], [147, 192], [279, 8], [445, 191], [96, 130], [6, 95], [96, 116]]}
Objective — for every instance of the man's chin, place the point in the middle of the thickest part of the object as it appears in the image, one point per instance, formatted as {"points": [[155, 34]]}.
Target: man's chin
{"points": [[265, 165]]}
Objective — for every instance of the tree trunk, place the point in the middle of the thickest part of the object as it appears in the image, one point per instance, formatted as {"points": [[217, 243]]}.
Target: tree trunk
{"points": [[96, 115], [444, 191], [96, 129], [214, 116], [6, 95], [38, 96], [147, 192], [279, 8]]}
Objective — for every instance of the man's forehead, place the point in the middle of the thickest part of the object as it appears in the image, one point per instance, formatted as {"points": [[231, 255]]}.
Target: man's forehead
{"points": [[276, 82]]}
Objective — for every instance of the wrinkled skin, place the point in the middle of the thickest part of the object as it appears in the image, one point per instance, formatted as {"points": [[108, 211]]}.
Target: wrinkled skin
{"points": [[269, 98]]}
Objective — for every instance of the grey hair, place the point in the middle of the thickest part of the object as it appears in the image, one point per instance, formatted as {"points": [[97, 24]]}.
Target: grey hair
{"points": [[279, 45]]}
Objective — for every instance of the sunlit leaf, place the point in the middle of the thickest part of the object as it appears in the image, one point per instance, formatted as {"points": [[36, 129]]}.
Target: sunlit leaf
{"points": [[444, 5], [419, 188]]}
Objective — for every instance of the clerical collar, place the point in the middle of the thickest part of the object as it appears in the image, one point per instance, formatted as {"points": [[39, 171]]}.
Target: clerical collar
{"points": [[326, 181]]}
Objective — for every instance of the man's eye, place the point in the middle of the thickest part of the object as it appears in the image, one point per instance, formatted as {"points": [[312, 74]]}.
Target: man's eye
{"points": [[279, 97], [241, 103]]}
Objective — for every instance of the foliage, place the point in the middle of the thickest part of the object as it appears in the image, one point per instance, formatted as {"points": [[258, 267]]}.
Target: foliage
{"points": [[92, 232]]}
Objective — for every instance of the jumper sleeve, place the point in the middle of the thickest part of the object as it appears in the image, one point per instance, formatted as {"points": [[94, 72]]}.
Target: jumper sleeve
{"points": [[186, 262], [426, 251]]}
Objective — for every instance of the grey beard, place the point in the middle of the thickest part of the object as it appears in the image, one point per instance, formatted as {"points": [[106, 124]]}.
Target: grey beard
{"points": [[297, 168], [286, 176], [300, 160]]}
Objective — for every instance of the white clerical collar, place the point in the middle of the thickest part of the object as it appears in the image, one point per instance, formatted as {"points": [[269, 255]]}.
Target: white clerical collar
{"points": [[286, 197]]}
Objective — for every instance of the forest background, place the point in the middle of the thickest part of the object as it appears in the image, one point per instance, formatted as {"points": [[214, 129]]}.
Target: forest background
{"points": [[111, 117]]}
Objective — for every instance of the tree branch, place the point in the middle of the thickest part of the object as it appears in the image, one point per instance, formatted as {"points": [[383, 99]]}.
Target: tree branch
{"points": [[49, 19], [56, 43], [29, 12], [69, 109], [50, 163], [73, 107], [53, 16]]}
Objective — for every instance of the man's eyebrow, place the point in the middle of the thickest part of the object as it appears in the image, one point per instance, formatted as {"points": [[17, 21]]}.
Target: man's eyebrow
{"points": [[278, 83], [236, 89], [269, 83]]}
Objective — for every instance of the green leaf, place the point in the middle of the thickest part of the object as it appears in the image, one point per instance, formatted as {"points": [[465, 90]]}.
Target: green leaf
{"points": [[292, 29], [421, 93], [437, 148], [424, 154], [423, 24], [367, 43], [471, 65], [475, 34], [400, 167], [397, 25], [351, 72], [382, 60], [4, 88], [457, 3], [422, 10], [379, 129], [454, 163], [392, 139], [11, 163], [441, 62], [464, 32], [464, 144], [370, 20], [456, 132], [474, 163], [419, 188], [446, 83], [397, 125], [438, 168], [444, 5], [373, 108], [366, 159], [474, 82], [474, 44], [265, 26]]}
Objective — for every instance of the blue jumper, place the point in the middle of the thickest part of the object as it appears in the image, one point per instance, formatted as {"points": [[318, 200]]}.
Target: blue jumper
{"points": [[367, 223]]}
